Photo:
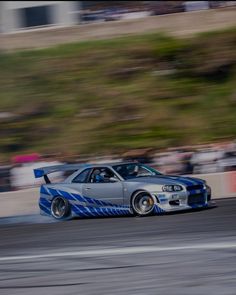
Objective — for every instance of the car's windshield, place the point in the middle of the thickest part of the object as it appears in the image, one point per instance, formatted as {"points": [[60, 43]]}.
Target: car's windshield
{"points": [[133, 170]]}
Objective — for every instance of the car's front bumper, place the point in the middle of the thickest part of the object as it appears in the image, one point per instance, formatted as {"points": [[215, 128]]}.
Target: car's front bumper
{"points": [[170, 202]]}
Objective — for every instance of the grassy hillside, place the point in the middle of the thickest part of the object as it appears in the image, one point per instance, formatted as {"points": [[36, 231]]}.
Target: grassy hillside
{"points": [[110, 96]]}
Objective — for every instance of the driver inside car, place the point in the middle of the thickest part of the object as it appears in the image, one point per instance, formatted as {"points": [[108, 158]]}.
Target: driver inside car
{"points": [[106, 175], [96, 177]]}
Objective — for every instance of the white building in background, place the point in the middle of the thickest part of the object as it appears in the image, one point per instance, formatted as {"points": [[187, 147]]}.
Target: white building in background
{"points": [[18, 15]]}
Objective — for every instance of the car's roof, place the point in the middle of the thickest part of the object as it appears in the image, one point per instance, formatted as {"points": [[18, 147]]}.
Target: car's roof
{"points": [[103, 165], [113, 164]]}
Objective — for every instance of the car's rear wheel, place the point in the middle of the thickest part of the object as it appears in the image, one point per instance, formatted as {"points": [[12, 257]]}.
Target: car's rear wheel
{"points": [[60, 208], [142, 203]]}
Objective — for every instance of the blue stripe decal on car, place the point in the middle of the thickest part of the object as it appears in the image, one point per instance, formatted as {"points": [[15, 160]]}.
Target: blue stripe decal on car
{"points": [[78, 197], [85, 209], [77, 211], [189, 182], [97, 202], [113, 211], [90, 211], [45, 200], [43, 190], [53, 192], [107, 211], [110, 211], [184, 181], [98, 209], [66, 196], [45, 209], [95, 210], [89, 200], [82, 209], [158, 210]]}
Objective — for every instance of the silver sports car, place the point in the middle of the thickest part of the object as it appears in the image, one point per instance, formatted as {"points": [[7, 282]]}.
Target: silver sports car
{"points": [[118, 189]]}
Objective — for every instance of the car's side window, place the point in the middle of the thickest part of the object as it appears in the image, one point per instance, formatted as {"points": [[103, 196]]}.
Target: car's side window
{"points": [[82, 177], [101, 175]]}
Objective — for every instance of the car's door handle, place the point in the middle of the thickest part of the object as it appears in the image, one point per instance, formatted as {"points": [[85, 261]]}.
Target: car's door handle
{"points": [[87, 188]]}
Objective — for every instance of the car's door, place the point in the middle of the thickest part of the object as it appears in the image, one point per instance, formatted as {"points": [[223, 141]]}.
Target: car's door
{"points": [[108, 191]]}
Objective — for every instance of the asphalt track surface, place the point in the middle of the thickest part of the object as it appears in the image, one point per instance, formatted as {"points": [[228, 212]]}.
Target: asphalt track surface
{"points": [[181, 254]]}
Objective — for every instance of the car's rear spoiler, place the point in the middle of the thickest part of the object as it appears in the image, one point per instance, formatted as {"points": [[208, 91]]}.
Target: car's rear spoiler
{"points": [[44, 171]]}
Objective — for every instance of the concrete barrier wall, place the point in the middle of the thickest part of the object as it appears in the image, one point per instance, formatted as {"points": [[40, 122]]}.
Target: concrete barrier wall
{"points": [[223, 185], [25, 202]]}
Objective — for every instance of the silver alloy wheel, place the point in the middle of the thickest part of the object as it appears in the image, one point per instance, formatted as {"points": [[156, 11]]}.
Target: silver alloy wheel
{"points": [[143, 203], [59, 208]]}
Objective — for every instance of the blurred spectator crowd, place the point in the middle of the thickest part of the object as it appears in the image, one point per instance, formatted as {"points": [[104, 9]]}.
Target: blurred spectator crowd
{"points": [[115, 10], [201, 159]]}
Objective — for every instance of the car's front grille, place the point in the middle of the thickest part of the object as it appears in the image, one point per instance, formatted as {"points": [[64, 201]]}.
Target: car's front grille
{"points": [[196, 199], [194, 187]]}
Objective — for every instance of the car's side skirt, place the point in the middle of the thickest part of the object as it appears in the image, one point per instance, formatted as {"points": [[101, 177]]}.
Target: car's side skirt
{"points": [[85, 207]]}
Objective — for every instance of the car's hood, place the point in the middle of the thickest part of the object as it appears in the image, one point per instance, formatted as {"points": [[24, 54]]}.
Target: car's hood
{"points": [[168, 179]]}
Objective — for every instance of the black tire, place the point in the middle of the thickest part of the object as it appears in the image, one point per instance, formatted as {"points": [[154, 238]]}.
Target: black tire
{"points": [[60, 208], [142, 203]]}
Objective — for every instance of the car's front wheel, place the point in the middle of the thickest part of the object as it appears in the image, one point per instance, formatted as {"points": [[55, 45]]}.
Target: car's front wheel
{"points": [[142, 203], [60, 208]]}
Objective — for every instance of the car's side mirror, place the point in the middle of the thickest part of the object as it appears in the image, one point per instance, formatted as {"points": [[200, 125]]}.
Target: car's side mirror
{"points": [[113, 179]]}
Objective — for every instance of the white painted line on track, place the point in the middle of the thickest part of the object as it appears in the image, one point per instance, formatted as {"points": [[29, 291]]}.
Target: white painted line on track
{"points": [[122, 251]]}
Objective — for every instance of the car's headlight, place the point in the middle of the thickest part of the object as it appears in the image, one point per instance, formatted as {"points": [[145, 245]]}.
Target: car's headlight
{"points": [[172, 188]]}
